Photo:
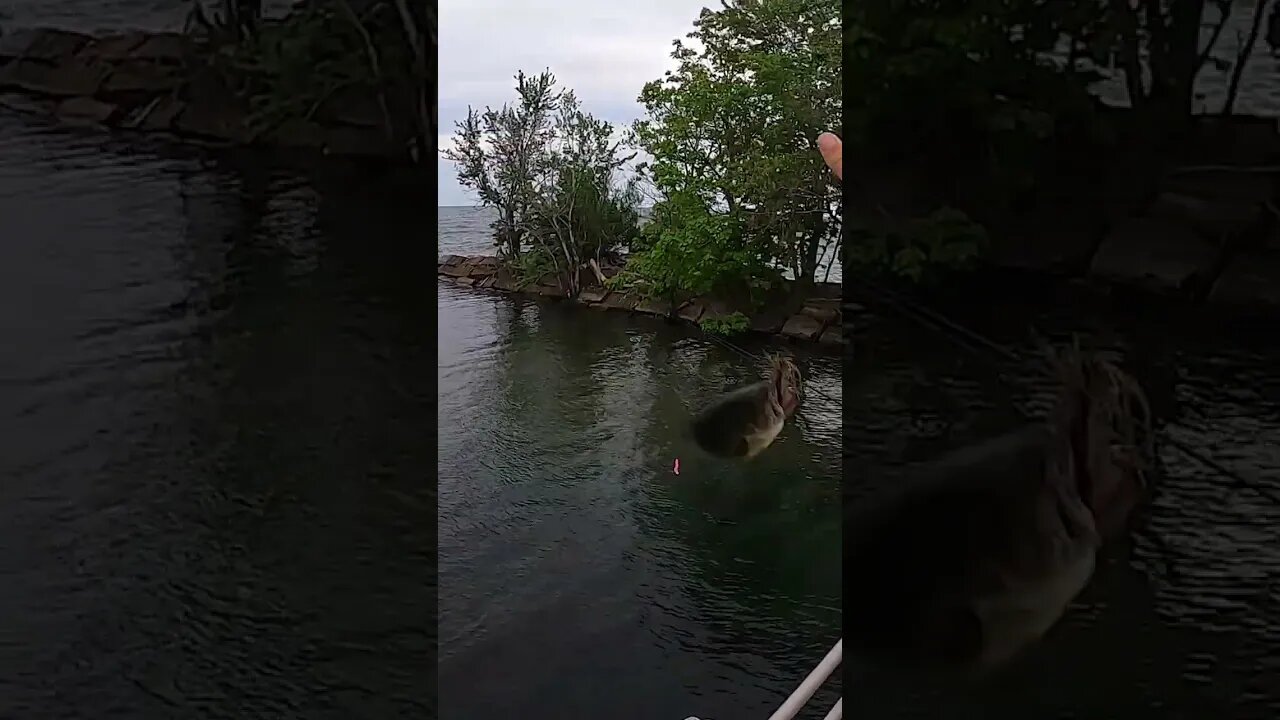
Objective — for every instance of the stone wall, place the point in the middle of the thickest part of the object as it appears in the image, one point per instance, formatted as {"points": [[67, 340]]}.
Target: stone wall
{"points": [[815, 319], [153, 82], [1208, 231]]}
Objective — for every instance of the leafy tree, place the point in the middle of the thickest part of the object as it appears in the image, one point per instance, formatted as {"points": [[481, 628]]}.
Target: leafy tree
{"points": [[743, 193], [550, 170], [498, 153], [578, 210], [289, 69]]}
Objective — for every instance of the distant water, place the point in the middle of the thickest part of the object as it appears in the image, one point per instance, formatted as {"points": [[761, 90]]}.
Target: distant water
{"points": [[579, 576], [1180, 621], [466, 230], [215, 480]]}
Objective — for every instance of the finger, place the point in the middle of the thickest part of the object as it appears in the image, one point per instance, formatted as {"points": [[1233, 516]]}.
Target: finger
{"points": [[832, 149]]}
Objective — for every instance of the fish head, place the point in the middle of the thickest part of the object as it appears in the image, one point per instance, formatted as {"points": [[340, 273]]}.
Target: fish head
{"points": [[1102, 426], [786, 384]]}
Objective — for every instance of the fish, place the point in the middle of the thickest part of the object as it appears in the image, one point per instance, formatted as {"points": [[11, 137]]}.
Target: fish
{"points": [[977, 555], [743, 422]]}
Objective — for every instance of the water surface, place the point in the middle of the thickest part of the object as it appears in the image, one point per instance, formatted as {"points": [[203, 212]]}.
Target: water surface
{"points": [[1183, 618], [579, 576], [214, 438]]}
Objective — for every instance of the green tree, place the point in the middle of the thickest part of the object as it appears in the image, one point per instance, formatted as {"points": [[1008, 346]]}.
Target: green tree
{"points": [[742, 191], [551, 171], [500, 152]]}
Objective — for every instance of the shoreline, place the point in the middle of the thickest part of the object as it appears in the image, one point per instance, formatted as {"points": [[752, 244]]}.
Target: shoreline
{"points": [[815, 319], [1210, 235], [153, 83]]}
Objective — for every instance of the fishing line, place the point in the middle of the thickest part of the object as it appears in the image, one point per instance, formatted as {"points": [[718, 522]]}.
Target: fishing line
{"points": [[751, 356], [942, 324]]}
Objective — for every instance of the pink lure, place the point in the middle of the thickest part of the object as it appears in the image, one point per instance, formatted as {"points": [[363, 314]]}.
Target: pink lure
{"points": [[676, 468]]}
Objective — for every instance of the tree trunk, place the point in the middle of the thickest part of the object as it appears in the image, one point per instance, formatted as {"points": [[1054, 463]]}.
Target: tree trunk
{"points": [[1242, 56], [1184, 40]]}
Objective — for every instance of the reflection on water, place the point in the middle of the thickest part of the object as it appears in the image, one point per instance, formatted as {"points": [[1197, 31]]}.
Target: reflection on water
{"points": [[1181, 620], [212, 412], [579, 576]]}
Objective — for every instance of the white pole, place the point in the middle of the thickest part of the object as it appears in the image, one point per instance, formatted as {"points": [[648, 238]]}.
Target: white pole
{"points": [[837, 711], [791, 707]]}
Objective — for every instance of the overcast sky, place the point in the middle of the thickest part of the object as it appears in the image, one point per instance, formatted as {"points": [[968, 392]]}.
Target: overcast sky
{"points": [[604, 51]]}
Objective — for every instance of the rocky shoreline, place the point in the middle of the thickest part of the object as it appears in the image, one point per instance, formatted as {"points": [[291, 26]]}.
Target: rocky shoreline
{"points": [[1209, 233], [1204, 228], [154, 82], [815, 319]]}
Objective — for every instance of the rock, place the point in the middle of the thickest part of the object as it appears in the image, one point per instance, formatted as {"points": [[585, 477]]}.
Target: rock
{"points": [[452, 259], [112, 48], [171, 48], [593, 295], [1239, 187], [825, 311], [831, 337], [19, 102], [464, 281], [69, 79], [654, 306], [1125, 190], [362, 142], [1249, 280], [84, 109], [1216, 219], [769, 322], [691, 311], [620, 301], [802, 327], [14, 43], [828, 290], [352, 107], [713, 309], [297, 133], [156, 116], [1155, 254], [456, 270], [549, 291], [1236, 139], [478, 270], [504, 280], [54, 46], [134, 79]]}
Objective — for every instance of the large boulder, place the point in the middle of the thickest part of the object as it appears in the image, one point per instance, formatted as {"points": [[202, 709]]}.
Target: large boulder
{"points": [[1154, 253], [1251, 279]]}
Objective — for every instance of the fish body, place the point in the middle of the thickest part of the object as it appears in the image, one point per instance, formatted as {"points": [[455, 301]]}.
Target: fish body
{"points": [[969, 565], [745, 421], [979, 554]]}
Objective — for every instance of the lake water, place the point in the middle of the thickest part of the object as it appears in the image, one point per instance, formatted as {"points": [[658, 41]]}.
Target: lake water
{"points": [[579, 576], [217, 487], [1182, 620]]}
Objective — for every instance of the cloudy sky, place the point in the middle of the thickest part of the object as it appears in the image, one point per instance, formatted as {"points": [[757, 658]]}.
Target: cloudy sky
{"points": [[605, 51]]}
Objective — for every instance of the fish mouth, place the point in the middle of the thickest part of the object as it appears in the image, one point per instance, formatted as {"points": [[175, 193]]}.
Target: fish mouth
{"points": [[1103, 425], [786, 379]]}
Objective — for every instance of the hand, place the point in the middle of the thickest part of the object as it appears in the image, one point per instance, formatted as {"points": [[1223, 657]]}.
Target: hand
{"points": [[830, 147]]}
